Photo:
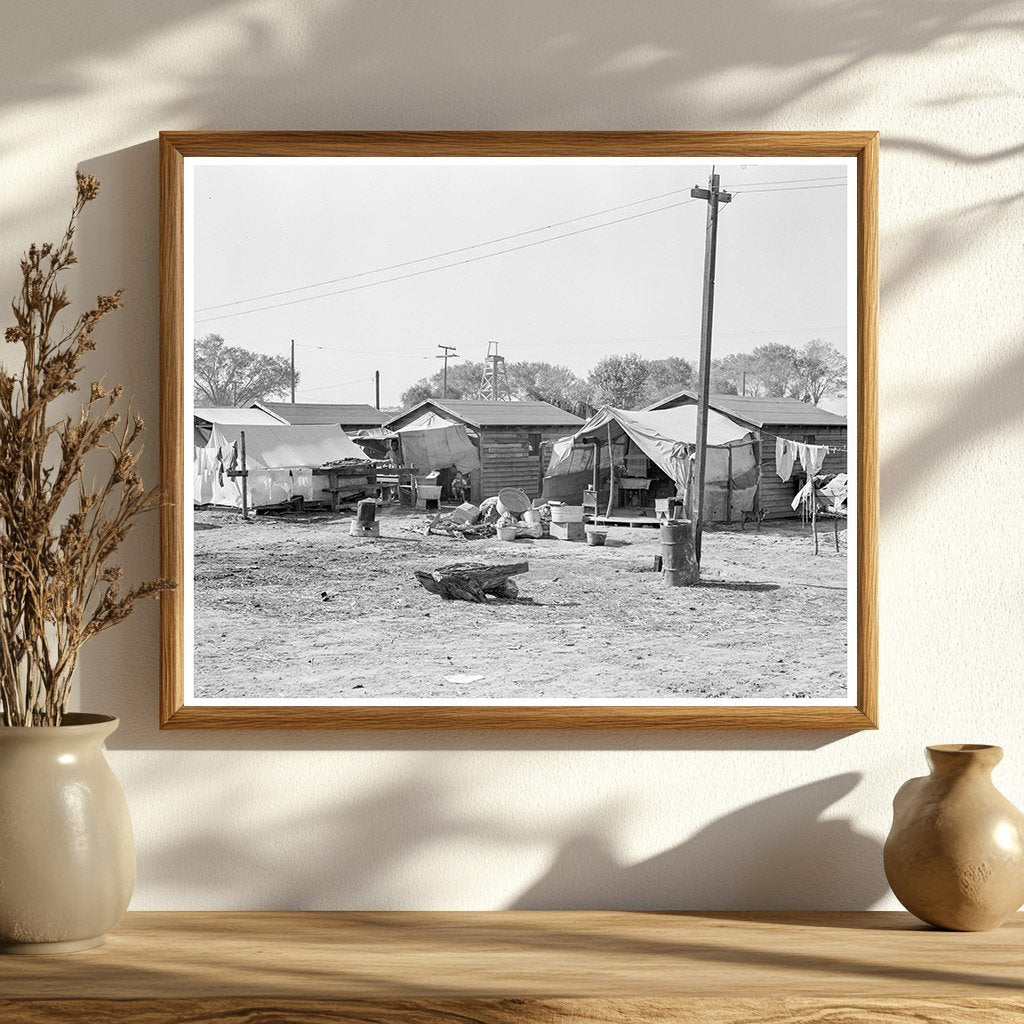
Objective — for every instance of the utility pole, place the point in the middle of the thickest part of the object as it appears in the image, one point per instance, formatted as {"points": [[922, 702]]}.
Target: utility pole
{"points": [[448, 353], [744, 383], [714, 196], [293, 371], [376, 389]]}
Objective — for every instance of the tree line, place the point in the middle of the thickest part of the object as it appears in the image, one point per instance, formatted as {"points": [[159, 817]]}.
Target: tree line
{"points": [[228, 375], [810, 374]]}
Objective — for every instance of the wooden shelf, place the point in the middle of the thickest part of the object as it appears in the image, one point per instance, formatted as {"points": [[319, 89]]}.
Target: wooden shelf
{"points": [[426, 968]]}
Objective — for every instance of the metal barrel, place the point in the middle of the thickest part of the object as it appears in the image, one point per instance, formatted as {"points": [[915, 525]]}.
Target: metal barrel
{"points": [[678, 558]]}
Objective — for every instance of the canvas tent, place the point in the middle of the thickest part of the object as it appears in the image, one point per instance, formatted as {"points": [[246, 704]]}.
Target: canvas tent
{"points": [[204, 417], [280, 460], [668, 438], [432, 443], [377, 442]]}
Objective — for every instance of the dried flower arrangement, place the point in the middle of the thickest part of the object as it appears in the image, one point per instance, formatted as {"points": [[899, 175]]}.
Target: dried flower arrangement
{"points": [[58, 533]]}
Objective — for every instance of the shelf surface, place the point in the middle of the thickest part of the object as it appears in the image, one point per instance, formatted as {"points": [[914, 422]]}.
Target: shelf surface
{"points": [[554, 965]]}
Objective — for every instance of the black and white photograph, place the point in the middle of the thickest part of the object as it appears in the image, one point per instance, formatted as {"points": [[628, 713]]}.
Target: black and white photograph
{"points": [[520, 430]]}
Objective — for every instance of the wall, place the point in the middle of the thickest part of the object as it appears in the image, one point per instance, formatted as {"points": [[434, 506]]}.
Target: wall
{"points": [[506, 460], [632, 820]]}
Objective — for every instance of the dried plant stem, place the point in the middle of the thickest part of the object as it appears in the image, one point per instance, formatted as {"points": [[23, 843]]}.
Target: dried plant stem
{"points": [[58, 588]]}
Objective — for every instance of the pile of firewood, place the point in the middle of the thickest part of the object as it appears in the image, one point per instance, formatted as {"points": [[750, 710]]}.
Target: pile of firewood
{"points": [[473, 581]]}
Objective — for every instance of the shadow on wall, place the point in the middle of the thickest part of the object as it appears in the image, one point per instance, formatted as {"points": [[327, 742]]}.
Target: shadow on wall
{"points": [[341, 52], [778, 853], [520, 50], [200, 63]]}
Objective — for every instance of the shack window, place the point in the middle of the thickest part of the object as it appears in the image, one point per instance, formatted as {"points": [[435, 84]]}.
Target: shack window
{"points": [[533, 440]]}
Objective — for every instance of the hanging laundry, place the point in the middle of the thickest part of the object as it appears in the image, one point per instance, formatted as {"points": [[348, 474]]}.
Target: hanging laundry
{"points": [[812, 457], [785, 455]]}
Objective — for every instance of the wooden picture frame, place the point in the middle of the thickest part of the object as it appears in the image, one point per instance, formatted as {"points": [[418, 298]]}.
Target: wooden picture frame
{"points": [[176, 147]]}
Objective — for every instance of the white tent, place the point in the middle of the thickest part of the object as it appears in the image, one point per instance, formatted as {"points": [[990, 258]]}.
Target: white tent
{"points": [[204, 417], [427, 420], [668, 437], [432, 442], [280, 461]]}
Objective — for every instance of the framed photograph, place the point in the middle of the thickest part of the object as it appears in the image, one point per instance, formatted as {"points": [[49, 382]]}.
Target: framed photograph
{"points": [[519, 430]]}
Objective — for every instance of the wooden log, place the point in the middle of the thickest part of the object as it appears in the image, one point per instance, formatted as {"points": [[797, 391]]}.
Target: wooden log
{"points": [[472, 581], [679, 557]]}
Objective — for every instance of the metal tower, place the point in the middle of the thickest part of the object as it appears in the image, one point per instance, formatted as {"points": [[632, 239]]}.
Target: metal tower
{"points": [[494, 386]]}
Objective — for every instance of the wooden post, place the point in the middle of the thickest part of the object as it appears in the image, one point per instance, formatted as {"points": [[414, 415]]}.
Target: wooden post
{"points": [[814, 510], [245, 476], [728, 489], [678, 557], [611, 472], [714, 196], [756, 446]]}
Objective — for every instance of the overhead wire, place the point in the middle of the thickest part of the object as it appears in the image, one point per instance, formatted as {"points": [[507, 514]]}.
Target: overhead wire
{"points": [[447, 252], [446, 266]]}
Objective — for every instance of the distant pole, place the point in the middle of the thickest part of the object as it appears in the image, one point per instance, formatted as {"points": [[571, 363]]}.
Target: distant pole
{"points": [[714, 196], [744, 383], [376, 389], [448, 353], [293, 371]]}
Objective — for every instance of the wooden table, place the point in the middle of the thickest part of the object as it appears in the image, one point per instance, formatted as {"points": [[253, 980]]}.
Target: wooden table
{"points": [[424, 968]]}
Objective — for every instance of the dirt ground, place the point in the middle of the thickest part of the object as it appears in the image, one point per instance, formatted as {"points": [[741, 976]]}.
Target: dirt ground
{"points": [[290, 607]]}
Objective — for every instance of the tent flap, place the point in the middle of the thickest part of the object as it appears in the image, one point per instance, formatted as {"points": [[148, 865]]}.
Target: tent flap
{"points": [[439, 447], [668, 437]]}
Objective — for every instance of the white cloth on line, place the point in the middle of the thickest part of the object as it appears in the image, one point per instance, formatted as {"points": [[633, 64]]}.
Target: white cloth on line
{"points": [[785, 456], [812, 457]]}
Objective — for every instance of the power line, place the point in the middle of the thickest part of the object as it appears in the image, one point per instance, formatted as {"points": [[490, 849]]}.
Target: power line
{"points": [[790, 188], [446, 266], [494, 241], [356, 351], [340, 384], [448, 252], [791, 181]]}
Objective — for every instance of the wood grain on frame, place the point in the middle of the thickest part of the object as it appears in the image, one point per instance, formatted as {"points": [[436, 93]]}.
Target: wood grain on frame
{"points": [[176, 146]]}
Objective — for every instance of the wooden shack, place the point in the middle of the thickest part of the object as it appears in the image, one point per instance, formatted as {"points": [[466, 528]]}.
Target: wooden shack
{"points": [[510, 436], [768, 418]]}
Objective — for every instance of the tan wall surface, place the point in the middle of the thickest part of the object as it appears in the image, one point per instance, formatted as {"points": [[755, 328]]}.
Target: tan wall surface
{"points": [[336, 820]]}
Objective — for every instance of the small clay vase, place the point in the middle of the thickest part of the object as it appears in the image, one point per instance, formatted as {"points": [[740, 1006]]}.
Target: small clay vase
{"points": [[67, 858], [955, 854]]}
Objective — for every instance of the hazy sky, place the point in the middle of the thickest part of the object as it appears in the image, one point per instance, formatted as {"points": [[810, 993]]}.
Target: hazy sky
{"points": [[273, 227]]}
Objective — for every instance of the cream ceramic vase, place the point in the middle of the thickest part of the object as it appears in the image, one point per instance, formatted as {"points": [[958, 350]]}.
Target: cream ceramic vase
{"points": [[67, 856], [955, 855]]}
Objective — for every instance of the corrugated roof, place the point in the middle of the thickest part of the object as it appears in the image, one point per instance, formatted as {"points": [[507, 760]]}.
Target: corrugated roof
{"points": [[761, 412], [316, 413], [481, 413]]}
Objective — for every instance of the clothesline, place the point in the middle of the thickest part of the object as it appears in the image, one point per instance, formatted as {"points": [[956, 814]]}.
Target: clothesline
{"points": [[830, 447]]}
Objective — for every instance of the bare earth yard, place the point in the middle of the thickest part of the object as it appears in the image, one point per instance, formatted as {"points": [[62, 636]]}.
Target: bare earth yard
{"points": [[768, 621]]}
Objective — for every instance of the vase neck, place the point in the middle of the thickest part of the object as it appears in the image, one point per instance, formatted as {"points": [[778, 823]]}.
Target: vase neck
{"points": [[952, 760]]}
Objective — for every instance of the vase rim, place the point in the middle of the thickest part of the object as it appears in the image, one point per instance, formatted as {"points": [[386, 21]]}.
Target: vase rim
{"points": [[962, 748]]}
